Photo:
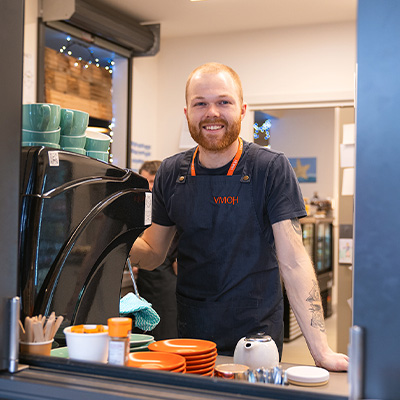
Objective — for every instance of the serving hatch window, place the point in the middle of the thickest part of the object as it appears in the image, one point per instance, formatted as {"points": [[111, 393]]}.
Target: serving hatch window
{"points": [[83, 76]]}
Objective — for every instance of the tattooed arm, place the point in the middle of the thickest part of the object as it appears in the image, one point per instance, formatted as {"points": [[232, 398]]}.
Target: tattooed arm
{"points": [[303, 292], [150, 249]]}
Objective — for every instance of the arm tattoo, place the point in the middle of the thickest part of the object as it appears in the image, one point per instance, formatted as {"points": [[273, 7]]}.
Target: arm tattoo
{"points": [[317, 315], [296, 226], [137, 265]]}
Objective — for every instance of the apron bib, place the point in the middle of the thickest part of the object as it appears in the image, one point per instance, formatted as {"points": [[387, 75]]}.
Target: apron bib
{"points": [[228, 282]]}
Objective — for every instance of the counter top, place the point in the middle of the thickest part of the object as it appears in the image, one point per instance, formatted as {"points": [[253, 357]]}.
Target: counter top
{"points": [[63, 379], [337, 384]]}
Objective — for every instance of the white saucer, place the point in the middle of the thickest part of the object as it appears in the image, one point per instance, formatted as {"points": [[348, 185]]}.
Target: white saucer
{"points": [[307, 376]]}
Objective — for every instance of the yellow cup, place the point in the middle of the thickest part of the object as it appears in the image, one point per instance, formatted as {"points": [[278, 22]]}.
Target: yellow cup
{"points": [[36, 348]]}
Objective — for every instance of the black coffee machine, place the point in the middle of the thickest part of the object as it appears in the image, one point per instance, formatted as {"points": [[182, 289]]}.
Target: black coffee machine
{"points": [[79, 219]]}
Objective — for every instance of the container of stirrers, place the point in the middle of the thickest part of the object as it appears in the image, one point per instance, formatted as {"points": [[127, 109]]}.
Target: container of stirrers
{"points": [[36, 348], [37, 334]]}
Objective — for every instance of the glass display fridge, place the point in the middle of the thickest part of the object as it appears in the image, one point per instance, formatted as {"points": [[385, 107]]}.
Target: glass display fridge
{"points": [[323, 262]]}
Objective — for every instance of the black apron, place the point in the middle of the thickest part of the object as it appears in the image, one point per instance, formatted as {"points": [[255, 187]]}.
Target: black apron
{"points": [[228, 277]]}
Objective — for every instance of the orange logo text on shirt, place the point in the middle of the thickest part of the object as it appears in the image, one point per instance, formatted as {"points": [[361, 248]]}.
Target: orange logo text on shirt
{"points": [[226, 200]]}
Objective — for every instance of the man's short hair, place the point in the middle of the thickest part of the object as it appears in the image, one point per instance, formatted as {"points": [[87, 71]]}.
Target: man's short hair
{"points": [[214, 68], [150, 166]]}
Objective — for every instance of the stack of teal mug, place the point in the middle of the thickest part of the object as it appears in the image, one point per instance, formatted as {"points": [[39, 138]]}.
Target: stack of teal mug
{"points": [[73, 127], [97, 145], [41, 125]]}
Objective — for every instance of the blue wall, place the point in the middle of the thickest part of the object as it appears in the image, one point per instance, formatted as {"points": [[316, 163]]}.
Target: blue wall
{"points": [[377, 195]]}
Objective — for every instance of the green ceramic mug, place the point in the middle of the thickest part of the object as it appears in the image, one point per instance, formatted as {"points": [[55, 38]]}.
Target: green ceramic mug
{"points": [[77, 150], [73, 122], [96, 141], [73, 141], [41, 116], [45, 144], [41, 136], [99, 155]]}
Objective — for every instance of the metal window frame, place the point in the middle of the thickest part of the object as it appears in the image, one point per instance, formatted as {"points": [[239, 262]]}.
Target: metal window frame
{"points": [[11, 73]]}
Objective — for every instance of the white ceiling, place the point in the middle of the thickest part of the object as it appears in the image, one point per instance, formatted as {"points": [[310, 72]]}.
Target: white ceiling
{"points": [[184, 17]]}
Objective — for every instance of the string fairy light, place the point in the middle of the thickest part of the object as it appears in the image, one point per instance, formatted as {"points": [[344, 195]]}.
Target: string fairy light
{"points": [[111, 127], [264, 129], [68, 50]]}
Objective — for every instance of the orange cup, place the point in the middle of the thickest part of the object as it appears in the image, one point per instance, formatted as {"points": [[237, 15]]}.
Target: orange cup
{"points": [[36, 348]]}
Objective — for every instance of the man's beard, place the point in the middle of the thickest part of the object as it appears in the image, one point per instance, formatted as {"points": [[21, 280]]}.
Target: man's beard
{"points": [[214, 143]]}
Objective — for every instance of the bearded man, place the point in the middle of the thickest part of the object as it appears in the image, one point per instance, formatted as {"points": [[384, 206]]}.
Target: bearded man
{"points": [[235, 206]]}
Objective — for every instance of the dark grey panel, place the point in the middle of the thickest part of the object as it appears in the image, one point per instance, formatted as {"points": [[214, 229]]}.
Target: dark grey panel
{"points": [[377, 217], [11, 37]]}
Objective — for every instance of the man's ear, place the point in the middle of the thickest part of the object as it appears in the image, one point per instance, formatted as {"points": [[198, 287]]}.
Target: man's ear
{"points": [[243, 111]]}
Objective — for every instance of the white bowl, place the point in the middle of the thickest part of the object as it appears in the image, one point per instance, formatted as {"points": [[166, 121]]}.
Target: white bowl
{"points": [[87, 346]]}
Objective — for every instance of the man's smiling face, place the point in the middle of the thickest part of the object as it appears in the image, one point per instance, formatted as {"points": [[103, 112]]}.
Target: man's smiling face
{"points": [[214, 110]]}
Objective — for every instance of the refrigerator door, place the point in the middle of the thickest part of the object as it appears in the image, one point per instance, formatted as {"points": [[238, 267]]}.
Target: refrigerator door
{"points": [[79, 219], [309, 238], [323, 258]]}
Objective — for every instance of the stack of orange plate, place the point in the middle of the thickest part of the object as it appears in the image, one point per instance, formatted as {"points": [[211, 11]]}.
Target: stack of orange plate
{"points": [[200, 354], [157, 360]]}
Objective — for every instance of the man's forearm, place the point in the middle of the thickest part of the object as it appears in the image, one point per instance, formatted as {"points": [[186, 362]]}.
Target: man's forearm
{"points": [[142, 256], [302, 287], [304, 296], [150, 249]]}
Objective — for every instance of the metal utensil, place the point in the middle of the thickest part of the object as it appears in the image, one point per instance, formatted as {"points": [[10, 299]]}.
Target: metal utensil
{"points": [[285, 381], [128, 261], [261, 375], [276, 376], [251, 377]]}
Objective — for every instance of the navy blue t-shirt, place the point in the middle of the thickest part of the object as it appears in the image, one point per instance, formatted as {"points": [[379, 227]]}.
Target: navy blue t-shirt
{"points": [[274, 184]]}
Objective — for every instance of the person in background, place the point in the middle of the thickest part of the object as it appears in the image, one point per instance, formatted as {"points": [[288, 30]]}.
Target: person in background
{"points": [[158, 286], [236, 207], [148, 170]]}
